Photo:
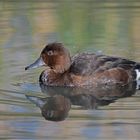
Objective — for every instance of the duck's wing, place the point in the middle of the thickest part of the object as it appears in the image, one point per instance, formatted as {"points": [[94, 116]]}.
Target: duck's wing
{"points": [[89, 63]]}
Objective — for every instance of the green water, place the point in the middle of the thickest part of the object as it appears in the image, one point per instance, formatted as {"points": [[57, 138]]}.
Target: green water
{"points": [[25, 27]]}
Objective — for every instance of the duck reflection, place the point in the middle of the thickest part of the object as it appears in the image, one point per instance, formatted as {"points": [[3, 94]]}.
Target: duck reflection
{"points": [[57, 104], [54, 108]]}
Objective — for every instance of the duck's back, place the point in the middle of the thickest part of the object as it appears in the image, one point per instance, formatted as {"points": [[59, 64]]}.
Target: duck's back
{"points": [[84, 64], [91, 64]]}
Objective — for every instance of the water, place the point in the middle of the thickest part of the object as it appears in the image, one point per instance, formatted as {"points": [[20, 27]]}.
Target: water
{"points": [[25, 27]]}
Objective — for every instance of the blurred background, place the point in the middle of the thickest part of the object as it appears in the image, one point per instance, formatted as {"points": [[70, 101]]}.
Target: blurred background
{"points": [[108, 26]]}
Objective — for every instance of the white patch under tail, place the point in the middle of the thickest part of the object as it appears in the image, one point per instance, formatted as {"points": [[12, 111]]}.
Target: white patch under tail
{"points": [[138, 78]]}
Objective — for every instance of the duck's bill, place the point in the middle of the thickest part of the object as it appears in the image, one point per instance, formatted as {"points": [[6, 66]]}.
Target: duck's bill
{"points": [[38, 63]]}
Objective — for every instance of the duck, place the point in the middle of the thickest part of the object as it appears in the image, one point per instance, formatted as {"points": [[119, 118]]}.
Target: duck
{"points": [[83, 69]]}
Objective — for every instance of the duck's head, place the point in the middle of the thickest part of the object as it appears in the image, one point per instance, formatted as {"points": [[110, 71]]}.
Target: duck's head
{"points": [[54, 56]]}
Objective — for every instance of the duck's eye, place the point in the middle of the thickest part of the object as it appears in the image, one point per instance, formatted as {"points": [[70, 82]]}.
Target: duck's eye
{"points": [[50, 52]]}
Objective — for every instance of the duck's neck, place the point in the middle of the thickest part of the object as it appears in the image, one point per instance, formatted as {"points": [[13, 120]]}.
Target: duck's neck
{"points": [[61, 65]]}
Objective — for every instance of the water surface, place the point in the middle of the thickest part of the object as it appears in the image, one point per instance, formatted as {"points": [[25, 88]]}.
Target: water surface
{"points": [[25, 27]]}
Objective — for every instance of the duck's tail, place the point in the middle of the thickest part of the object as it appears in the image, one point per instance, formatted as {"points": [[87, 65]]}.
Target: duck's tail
{"points": [[137, 70]]}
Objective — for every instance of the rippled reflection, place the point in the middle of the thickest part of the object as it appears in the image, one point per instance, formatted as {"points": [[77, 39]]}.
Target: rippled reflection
{"points": [[56, 106]]}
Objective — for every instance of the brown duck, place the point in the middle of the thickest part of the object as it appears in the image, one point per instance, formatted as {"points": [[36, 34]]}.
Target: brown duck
{"points": [[84, 69]]}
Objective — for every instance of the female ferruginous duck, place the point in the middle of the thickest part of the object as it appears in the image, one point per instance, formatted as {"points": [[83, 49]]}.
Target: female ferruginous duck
{"points": [[84, 69]]}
